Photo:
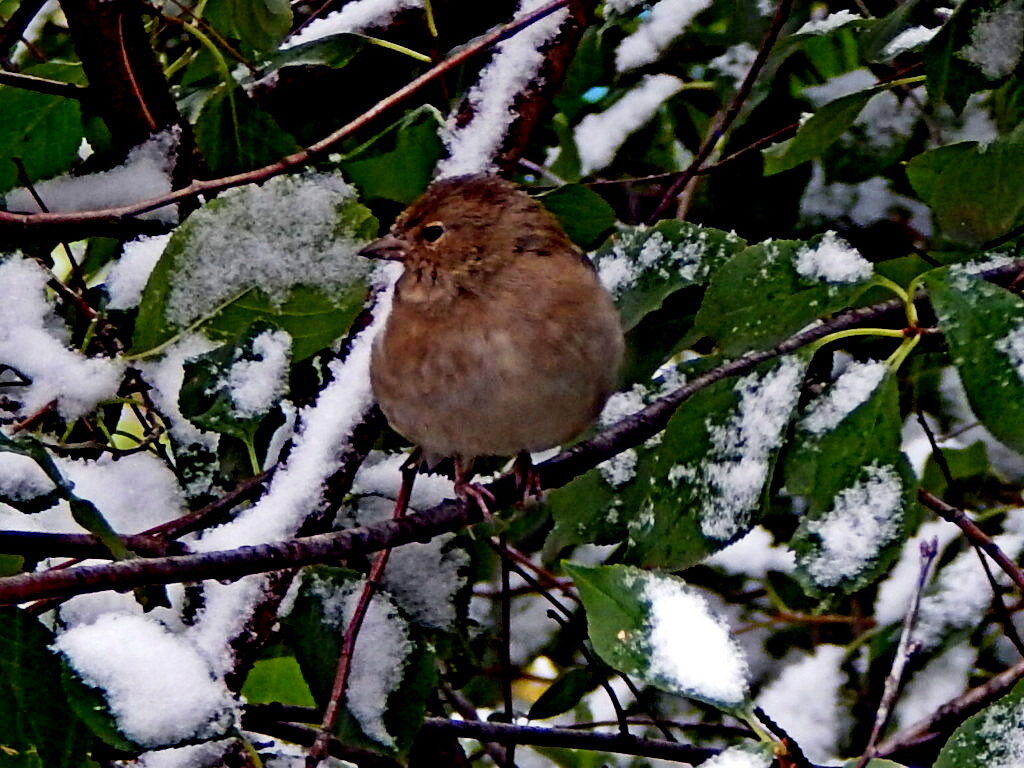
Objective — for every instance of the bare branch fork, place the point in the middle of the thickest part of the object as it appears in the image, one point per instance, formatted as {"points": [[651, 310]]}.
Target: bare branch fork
{"points": [[448, 516]]}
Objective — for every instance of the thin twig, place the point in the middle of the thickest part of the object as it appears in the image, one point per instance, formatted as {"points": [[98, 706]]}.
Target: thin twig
{"points": [[563, 616], [261, 718], [974, 534], [1005, 619], [721, 126], [947, 717], [904, 650], [505, 639], [296, 159], [43, 85], [320, 749]]}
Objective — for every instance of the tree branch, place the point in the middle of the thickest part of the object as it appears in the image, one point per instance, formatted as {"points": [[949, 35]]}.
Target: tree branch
{"points": [[720, 126], [947, 717], [126, 84], [449, 516], [974, 534], [43, 85], [14, 222]]}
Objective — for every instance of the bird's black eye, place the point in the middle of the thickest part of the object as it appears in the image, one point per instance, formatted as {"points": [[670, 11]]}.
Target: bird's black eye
{"points": [[432, 232]]}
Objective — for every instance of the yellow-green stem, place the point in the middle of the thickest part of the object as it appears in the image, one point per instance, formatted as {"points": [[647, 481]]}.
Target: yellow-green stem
{"points": [[896, 359], [428, 9], [839, 335], [399, 48]]}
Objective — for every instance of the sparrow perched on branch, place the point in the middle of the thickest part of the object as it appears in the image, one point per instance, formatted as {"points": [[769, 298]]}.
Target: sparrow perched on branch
{"points": [[501, 340]]}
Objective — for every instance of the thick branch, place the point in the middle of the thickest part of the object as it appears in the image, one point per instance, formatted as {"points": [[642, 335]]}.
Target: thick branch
{"points": [[126, 85], [448, 516]]}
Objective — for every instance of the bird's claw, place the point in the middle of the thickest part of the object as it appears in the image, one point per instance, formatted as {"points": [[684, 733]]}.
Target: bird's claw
{"points": [[527, 479], [476, 494]]}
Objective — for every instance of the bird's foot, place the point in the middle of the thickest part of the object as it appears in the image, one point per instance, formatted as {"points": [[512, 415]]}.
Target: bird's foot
{"points": [[476, 494], [527, 478]]}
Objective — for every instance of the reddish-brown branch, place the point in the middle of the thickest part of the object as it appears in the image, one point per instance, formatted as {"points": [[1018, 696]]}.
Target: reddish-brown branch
{"points": [[339, 690], [207, 186], [974, 534], [446, 517], [947, 717], [720, 126]]}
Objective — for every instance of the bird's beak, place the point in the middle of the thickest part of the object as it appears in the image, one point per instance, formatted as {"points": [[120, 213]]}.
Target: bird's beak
{"points": [[388, 247]]}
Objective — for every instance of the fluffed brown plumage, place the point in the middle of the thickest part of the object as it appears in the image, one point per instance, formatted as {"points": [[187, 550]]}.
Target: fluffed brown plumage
{"points": [[500, 338]]}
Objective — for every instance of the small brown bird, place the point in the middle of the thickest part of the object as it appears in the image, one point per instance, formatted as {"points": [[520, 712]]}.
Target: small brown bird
{"points": [[501, 340]]}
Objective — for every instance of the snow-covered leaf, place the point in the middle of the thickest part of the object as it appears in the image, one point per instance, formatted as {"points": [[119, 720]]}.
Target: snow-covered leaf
{"points": [[993, 738], [641, 266], [707, 480], [980, 45], [286, 252], [662, 631], [984, 326], [773, 289], [230, 389]]}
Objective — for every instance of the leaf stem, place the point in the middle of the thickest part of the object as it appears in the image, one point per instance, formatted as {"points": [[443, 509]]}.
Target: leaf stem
{"points": [[850, 332], [396, 47], [428, 9], [896, 358]]}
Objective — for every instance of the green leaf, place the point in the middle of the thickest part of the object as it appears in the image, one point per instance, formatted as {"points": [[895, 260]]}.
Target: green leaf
{"points": [[91, 706], [991, 737], [974, 190], [925, 170], [234, 135], [285, 253], [661, 631], [983, 325], [387, 696], [41, 130], [563, 694], [586, 511], [260, 25], [585, 215], [398, 163], [819, 132], [951, 77], [37, 727], [874, 40], [759, 297], [708, 478], [333, 51], [846, 462], [277, 680], [642, 266], [209, 390], [830, 447]]}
